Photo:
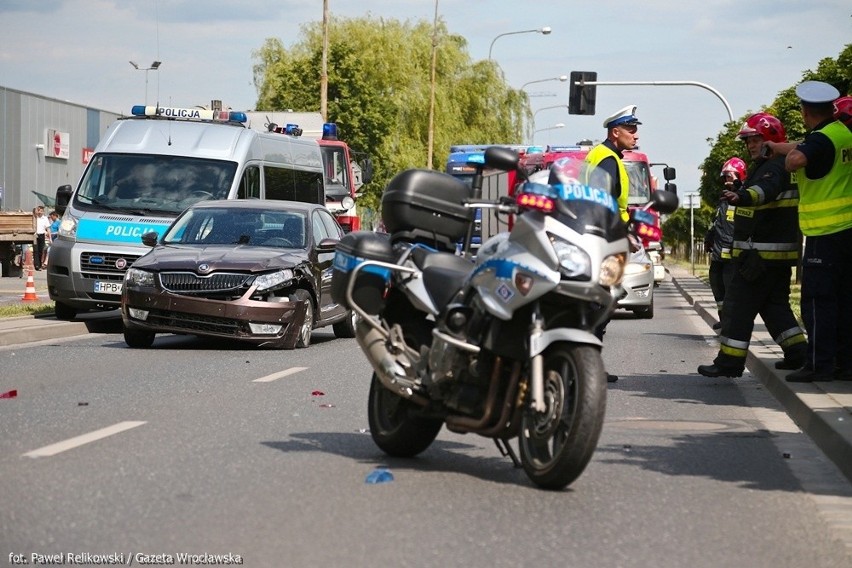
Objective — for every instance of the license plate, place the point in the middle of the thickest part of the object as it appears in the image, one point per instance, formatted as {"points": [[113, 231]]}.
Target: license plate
{"points": [[108, 287]]}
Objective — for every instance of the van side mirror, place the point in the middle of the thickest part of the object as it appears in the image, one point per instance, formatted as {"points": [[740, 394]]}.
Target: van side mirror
{"points": [[63, 198], [671, 187], [669, 173], [149, 239]]}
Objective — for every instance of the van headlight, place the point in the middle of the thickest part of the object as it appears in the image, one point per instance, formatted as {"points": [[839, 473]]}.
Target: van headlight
{"points": [[574, 262], [612, 270], [68, 226], [137, 277], [273, 279]]}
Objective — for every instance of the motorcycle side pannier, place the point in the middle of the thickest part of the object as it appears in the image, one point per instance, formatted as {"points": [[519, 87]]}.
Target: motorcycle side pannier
{"points": [[426, 206], [372, 281]]}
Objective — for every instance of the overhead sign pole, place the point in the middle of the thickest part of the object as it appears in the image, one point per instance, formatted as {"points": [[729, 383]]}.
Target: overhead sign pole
{"points": [[664, 84]]}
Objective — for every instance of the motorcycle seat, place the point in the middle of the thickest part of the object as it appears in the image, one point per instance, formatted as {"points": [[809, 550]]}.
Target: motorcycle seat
{"points": [[443, 283]]}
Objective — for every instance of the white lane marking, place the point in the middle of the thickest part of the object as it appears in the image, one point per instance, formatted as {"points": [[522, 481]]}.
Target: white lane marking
{"points": [[276, 376], [77, 441]]}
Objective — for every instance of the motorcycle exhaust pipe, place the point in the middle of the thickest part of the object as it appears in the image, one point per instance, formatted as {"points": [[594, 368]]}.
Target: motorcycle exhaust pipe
{"points": [[391, 373]]}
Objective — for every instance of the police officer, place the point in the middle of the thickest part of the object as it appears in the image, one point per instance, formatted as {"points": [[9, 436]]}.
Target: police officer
{"points": [[823, 165], [765, 248], [720, 235], [621, 134]]}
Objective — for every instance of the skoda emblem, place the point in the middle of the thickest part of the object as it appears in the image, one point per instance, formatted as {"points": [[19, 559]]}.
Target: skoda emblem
{"points": [[121, 263], [203, 267]]}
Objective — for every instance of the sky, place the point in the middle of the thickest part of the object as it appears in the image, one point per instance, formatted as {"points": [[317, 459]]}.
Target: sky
{"points": [[741, 53]]}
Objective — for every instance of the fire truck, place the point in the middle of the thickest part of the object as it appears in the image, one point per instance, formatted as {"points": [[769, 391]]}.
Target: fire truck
{"points": [[344, 172], [642, 184]]}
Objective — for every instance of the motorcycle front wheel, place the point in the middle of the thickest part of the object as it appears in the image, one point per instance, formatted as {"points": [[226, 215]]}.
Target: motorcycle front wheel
{"points": [[557, 444], [394, 425]]}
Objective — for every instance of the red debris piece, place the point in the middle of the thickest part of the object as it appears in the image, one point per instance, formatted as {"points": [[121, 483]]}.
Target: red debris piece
{"points": [[10, 394], [317, 393]]}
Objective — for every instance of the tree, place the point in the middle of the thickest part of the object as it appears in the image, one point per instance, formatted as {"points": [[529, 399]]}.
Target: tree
{"points": [[379, 78], [837, 72]]}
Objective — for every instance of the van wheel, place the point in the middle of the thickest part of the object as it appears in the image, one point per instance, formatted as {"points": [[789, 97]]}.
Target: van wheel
{"points": [[138, 339], [64, 311], [308, 325]]}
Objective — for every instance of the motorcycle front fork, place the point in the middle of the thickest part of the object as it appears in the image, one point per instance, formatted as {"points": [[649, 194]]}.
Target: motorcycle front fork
{"points": [[537, 363]]}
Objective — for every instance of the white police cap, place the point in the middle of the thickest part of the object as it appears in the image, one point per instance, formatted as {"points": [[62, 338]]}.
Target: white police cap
{"points": [[816, 92], [627, 115]]}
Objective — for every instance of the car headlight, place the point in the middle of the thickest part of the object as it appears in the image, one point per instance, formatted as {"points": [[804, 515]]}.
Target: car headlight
{"points": [[612, 270], [273, 279], [574, 262], [137, 277], [68, 226], [636, 268]]}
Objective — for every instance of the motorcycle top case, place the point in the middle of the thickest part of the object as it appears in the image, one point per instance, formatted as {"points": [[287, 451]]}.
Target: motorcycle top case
{"points": [[372, 281], [427, 206]]}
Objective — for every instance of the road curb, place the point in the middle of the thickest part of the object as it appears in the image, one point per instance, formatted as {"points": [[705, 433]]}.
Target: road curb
{"points": [[823, 416]]}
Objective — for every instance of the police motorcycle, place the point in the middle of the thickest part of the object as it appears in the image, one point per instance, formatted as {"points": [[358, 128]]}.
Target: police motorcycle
{"points": [[503, 347]]}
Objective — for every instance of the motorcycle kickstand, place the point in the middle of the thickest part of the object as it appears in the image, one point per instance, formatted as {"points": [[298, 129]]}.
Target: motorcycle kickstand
{"points": [[506, 450]]}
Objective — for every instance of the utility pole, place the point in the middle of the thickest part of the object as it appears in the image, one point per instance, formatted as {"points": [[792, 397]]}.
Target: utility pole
{"points": [[324, 72], [431, 141]]}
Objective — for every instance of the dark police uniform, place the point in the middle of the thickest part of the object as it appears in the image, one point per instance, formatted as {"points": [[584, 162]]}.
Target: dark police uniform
{"points": [[765, 221]]}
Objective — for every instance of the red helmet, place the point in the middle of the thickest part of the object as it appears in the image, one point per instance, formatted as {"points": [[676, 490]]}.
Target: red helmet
{"points": [[736, 167], [843, 110], [764, 125]]}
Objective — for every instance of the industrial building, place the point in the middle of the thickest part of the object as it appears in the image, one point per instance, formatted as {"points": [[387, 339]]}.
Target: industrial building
{"points": [[44, 143]]}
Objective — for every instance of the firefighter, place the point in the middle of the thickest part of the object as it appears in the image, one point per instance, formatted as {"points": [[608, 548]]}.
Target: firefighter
{"points": [[843, 111], [823, 165], [719, 237], [765, 248]]}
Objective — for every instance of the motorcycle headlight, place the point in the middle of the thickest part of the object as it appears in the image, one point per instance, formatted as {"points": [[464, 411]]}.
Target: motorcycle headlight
{"points": [[574, 262], [612, 270], [273, 279], [137, 277], [68, 226]]}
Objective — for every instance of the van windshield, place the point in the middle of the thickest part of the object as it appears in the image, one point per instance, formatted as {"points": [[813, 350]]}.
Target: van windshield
{"points": [[143, 183], [640, 182]]}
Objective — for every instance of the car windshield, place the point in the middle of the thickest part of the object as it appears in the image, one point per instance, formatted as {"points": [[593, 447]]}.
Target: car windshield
{"points": [[153, 183], [237, 226]]}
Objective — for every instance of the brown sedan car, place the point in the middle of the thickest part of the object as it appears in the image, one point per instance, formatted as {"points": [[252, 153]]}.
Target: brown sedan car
{"points": [[256, 271]]}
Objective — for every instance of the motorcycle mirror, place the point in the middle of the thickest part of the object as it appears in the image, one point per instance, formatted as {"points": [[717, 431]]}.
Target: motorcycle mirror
{"points": [[501, 158], [664, 201]]}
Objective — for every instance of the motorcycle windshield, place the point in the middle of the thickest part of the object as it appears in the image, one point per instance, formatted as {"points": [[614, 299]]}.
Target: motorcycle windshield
{"points": [[583, 199]]}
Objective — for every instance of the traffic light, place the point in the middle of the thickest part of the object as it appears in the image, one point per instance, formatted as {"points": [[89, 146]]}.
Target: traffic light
{"points": [[581, 98]]}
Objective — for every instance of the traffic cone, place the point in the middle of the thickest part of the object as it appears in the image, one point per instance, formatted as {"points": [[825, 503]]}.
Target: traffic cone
{"points": [[30, 292]]}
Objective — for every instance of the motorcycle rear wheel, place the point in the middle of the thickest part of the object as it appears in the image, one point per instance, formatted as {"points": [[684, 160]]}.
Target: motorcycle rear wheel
{"points": [[395, 427], [556, 445]]}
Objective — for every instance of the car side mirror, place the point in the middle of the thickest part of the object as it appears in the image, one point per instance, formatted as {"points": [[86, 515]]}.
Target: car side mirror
{"points": [[328, 244]]}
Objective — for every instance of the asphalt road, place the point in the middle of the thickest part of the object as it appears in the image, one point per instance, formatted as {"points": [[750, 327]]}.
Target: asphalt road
{"points": [[206, 448]]}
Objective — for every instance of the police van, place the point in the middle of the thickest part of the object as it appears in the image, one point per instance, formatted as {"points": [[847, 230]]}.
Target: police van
{"points": [[146, 170]]}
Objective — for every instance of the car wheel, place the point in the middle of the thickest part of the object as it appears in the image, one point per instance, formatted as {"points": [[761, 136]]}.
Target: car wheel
{"points": [[307, 328], [645, 313], [138, 339], [346, 327]]}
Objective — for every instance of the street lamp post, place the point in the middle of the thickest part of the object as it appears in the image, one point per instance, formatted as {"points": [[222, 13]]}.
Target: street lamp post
{"points": [[561, 78], [548, 108], [544, 31], [554, 127], [154, 66]]}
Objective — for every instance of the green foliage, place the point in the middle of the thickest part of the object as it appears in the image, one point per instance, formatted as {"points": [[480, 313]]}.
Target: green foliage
{"points": [[677, 230], [837, 72], [379, 91]]}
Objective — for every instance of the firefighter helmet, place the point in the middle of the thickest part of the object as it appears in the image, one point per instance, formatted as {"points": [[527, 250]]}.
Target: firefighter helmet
{"points": [[843, 110], [735, 166], [764, 125]]}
